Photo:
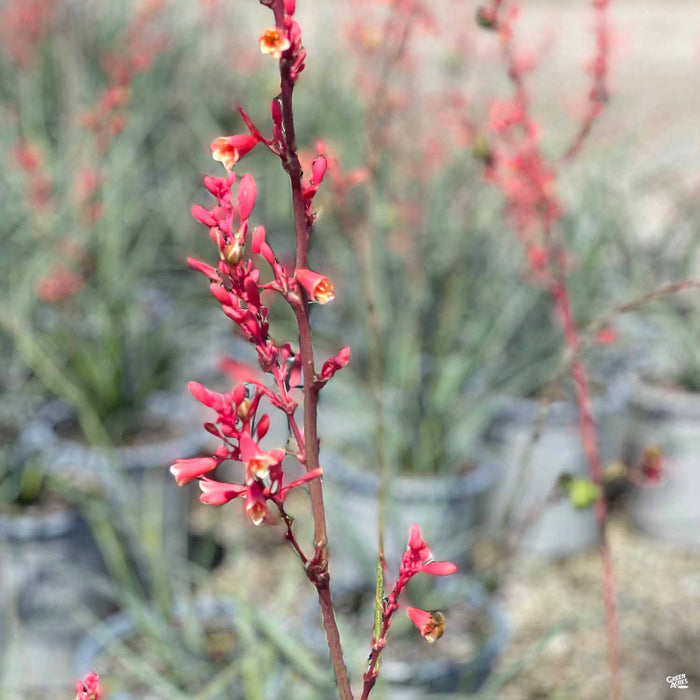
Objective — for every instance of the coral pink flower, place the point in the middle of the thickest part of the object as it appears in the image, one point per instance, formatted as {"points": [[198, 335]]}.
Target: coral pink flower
{"points": [[333, 364], [186, 470], [88, 688], [274, 41], [258, 462], [217, 493], [430, 624], [317, 286], [228, 150], [255, 507]]}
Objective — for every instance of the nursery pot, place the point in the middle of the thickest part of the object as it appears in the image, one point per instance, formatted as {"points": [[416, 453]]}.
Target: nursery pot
{"points": [[521, 499], [48, 566], [225, 632], [100, 649], [458, 664], [134, 477], [667, 418], [448, 508]]}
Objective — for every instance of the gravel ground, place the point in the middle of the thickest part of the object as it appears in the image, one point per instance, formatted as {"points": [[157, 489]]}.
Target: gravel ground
{"points": [[556, 612]]}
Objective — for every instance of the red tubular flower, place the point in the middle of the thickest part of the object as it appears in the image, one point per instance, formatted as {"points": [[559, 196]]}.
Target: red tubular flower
{"points": [[439, 568], [228, 150], [255, 507], [186, 470], [247, 192], [258, 462], [211, 399], [274, 41], [333, 364], [88, 688], [417, 544], [208, 270], [317, 286], [203, 216], [430, 624], [217, 493]]}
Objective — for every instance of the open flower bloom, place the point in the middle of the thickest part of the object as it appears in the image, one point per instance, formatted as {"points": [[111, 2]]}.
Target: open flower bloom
{"points": [[430, 624], [255, 506], [317, 286], [228, 150], [258, 462], [274, 41]]}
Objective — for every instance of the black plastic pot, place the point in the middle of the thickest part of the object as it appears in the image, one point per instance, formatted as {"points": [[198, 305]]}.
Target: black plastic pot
{"points": [[558, 529], [134, 478], [448, 508], [49, 568]]}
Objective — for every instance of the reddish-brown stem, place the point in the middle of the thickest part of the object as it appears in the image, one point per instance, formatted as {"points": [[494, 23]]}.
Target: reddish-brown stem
{"points": [[289, 534], [320, 577]]}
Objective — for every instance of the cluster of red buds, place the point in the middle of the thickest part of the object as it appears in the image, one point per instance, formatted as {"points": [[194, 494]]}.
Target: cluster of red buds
{"points": [[235, 283], [88, 688]]}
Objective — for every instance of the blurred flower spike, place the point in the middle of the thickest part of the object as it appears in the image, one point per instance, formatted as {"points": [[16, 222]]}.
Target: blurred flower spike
{"points": [[88, 688], [274, 41]]}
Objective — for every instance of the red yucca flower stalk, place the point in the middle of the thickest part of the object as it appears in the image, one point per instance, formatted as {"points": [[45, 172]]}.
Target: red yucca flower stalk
{"points": [[517, 165], [241, 421]]}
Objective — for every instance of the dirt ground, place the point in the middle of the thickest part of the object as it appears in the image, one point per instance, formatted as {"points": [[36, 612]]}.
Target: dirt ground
{"points": [[556, 613]]}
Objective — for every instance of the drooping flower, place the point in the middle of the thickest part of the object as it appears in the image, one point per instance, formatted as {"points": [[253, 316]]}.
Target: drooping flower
{"points": [[317, 286], [430, 624], [274, 41]]}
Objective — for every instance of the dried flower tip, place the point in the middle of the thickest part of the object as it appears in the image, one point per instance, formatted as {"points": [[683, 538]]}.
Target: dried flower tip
{"points": [[317, 286], [274, 41], [430, 624]]}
